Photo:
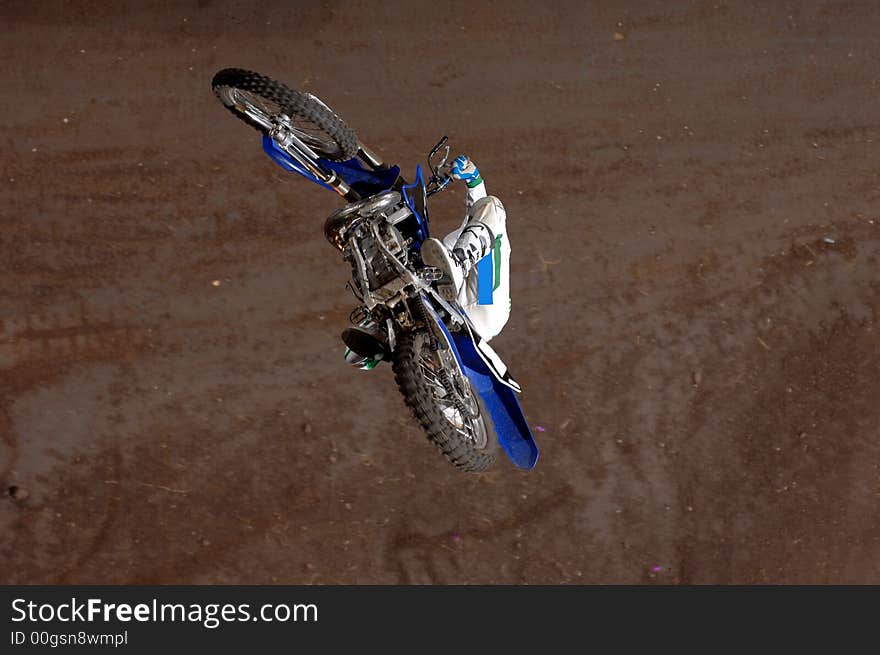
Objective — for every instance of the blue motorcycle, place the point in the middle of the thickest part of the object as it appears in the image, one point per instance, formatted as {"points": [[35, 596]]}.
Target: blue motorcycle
{"points": [[456, 386]]}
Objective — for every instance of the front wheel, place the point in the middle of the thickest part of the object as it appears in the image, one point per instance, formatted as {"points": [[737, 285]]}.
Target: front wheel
{"points": [[261, 102], [449, 409]]}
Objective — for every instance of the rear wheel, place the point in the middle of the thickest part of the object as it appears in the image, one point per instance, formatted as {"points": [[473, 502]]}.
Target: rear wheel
{"points": [[261, 102], [445, 403]]}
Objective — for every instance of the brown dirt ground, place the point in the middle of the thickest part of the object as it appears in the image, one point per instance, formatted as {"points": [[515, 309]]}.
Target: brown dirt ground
{"points": [[696, 230]]}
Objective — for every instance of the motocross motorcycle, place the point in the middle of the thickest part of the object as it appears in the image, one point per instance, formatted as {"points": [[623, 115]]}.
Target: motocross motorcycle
{"points": [[456, 386]]}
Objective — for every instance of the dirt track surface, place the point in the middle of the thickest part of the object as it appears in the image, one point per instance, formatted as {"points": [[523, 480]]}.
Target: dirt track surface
{"points": [[694, 216]]}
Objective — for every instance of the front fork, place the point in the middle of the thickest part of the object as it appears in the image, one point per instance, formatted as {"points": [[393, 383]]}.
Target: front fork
{"points": [[305, 161]]}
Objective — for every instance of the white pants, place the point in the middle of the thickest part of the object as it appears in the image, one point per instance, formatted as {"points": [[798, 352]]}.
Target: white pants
{"points": [[489, 319]]}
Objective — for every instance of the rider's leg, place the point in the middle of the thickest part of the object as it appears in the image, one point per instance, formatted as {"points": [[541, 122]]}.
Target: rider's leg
{"points": [[460, 251], [456, 256], [489, 319], [484, 231]]}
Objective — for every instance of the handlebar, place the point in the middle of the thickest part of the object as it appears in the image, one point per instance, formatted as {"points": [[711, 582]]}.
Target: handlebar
{"points": [[440, 177]]}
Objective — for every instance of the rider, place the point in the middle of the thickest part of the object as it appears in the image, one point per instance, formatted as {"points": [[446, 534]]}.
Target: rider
{"points": [[483, 231]]}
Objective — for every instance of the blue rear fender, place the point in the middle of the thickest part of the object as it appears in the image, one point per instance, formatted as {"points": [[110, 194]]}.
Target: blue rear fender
{"points": [[500, 400]]}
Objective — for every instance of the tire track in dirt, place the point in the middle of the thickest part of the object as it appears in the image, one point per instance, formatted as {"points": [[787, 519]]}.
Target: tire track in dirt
{"points": [[104, 531], [804, 461], [662, 417], [35, 350], [418, 557], [796, 412], [9, 441]]}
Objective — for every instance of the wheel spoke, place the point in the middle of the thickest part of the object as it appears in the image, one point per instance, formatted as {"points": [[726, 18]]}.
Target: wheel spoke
{"points": [[428, 366], [454, 397], [266, 112], [431, 377], [249, 102]]}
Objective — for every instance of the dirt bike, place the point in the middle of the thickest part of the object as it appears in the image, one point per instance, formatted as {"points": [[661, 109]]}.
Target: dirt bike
{"points": [[456, 386]]}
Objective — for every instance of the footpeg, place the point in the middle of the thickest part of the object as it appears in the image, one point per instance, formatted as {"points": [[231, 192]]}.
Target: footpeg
{"points": [[430, 274], [447, 290]]}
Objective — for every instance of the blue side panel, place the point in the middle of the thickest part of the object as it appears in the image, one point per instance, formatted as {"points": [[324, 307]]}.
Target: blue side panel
{"points": [[513, 431], [364, 181], [485, 281], [287, 162]]}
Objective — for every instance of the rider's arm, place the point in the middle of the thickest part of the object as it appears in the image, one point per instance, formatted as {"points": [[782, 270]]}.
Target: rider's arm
{"points": [[464, 169]]}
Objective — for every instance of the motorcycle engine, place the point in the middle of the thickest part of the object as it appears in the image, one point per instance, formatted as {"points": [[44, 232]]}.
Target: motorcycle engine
{"points": [[379, 270]]}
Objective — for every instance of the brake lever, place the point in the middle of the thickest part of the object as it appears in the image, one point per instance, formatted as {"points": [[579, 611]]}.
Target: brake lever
{"points": [[438, 184]]}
